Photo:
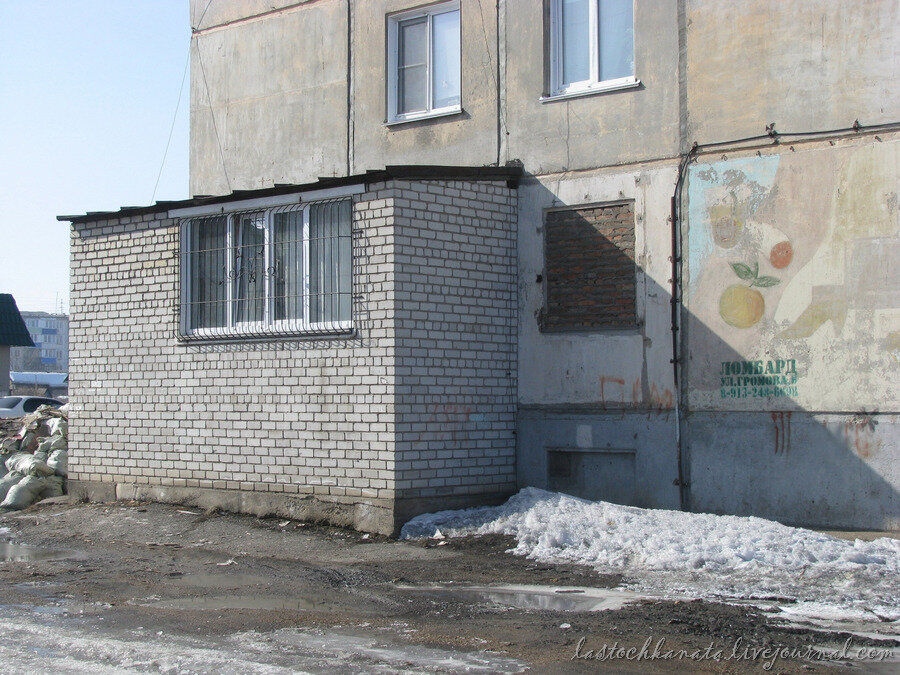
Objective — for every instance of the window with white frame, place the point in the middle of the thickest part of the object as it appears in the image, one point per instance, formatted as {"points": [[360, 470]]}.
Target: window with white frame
{"points": [[279, 270], [424, 62], [591, 45]]}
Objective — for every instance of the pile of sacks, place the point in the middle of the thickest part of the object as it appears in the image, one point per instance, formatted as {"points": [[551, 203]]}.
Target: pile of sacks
{"points": [[34, 461]]}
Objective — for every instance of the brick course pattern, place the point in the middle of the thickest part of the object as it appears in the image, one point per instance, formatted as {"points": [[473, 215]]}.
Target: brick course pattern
{"points": [[590, 268], [345, 419]]}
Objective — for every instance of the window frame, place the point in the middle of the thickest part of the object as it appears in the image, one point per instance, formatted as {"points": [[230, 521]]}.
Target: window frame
{"points": [[556, 89], [392, 80], [269, 326]]}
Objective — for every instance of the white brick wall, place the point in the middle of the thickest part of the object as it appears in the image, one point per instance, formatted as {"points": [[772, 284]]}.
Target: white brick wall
{"points": [[456, 339], [420, 401]]}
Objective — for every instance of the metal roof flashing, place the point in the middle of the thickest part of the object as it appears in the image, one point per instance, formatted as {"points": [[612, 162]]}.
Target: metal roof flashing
{"points": [[206, 204]]}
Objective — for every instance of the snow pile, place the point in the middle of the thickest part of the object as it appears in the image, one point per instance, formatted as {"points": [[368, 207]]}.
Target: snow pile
{"points": [[694, 553]]}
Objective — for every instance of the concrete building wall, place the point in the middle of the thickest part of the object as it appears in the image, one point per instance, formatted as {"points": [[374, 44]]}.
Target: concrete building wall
{"points": [[793, 318], [268, 97], [597, 130], [600, 403], [467, 139], [805, 65], [598, 406]]}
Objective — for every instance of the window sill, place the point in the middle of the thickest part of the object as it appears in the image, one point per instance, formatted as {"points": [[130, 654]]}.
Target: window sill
{"points": [[419, 117], [598, 88], [231, 335]]}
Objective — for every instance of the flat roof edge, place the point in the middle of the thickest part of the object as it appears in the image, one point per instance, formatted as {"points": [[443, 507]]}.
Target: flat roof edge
{"points": [[510, 174]]}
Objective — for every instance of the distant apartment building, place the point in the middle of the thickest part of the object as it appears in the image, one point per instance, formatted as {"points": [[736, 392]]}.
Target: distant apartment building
{"points": [[50, 333]]}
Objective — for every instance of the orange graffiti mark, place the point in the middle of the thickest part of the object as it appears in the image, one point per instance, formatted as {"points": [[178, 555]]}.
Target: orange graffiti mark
{"points": [[782, 423]]}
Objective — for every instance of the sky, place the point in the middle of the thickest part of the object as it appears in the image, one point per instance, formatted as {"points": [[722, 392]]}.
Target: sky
{"points": [[88, 93]]}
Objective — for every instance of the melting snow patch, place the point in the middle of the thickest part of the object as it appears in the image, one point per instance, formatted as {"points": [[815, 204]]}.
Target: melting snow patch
{"points": [[688, 553]]}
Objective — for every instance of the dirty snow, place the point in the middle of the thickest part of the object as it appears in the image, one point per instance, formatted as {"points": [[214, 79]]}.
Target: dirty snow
{"points": [[690, 554]]}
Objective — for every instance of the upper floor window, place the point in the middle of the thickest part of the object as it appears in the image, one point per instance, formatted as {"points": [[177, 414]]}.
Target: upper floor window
{"points": [[591, 45], [281, 270], [424, 62]]}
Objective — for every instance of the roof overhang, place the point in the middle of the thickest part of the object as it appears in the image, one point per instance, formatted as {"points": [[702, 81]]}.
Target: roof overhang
{"points": [[306, 191]]}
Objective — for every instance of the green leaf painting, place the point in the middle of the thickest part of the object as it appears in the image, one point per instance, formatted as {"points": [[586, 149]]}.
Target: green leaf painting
{"points": [[751, 274]]}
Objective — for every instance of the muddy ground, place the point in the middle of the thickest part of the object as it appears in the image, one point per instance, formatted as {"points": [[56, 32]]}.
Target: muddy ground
{"points": [[263, 594]]}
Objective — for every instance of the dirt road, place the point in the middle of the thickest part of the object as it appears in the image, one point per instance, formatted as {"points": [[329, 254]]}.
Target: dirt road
{"points": [[149, 587]]}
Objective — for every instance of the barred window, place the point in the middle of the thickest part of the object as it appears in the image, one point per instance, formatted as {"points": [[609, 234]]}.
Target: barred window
{"points": [[283, 270]]}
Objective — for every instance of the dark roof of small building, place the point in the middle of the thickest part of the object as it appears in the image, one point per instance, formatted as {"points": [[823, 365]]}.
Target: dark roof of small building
{"points": [[12, 328], [511, 174]]}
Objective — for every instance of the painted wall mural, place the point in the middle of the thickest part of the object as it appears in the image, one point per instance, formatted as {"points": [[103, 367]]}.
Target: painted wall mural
{"points": [[793, 279]]}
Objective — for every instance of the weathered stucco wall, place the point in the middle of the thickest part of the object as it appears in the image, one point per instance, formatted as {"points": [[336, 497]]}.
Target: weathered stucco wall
{"points": [[467, 139], [269, 99], [793, 333], [600, 129], [794, 264], [614, 368], [804, 65], [596, 413]]}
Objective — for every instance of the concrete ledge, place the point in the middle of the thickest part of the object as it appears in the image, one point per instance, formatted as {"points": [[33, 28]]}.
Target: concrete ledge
{"points": [[372, 515], [406, 508], [92, 491]]}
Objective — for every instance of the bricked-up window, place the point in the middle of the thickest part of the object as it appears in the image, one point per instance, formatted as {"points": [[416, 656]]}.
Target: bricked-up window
{"points": [[590, 270], [275, 271]]}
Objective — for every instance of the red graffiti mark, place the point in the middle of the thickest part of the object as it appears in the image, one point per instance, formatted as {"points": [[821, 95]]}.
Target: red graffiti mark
{"points": [[445, 422], [859, 433], [663, 401], [614, 380], [781, 421], [636, 391]]}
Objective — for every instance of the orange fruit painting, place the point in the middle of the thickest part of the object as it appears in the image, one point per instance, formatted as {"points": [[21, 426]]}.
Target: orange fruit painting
{"points": [[743, 306], [781, 255]]}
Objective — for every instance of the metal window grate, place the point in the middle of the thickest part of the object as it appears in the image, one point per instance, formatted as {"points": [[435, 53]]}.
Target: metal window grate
{"points": [[267, 272]]}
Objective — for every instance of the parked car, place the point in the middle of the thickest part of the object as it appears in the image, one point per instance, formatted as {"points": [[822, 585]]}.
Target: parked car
{"points": [[16, 406]]}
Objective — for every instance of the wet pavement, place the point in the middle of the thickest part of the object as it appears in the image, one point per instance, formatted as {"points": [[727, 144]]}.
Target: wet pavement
{"points": [[149, 588]]}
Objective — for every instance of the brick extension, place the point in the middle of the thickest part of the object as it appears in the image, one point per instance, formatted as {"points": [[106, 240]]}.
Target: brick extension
{"points": [[416, 411]]}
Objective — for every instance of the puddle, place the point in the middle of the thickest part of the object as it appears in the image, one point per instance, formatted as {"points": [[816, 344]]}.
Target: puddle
{"points": [[555, 599], [365, 653], [221, 602], [19, 553], [223, 580]]}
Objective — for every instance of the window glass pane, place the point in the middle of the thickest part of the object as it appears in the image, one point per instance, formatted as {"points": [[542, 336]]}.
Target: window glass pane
{"points": [[445, 59], [411, 82], [249, 268], [576, 40], [329, 262], [206, 262], [288, 265], [616, 39]]}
